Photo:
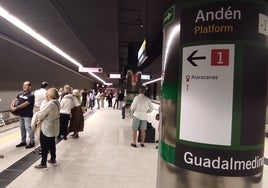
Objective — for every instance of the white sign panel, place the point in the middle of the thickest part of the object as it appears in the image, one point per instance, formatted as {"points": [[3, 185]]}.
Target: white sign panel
{"points": [[207, 94], [263, 24], [90, 69], [114, 76], [146, 77]]}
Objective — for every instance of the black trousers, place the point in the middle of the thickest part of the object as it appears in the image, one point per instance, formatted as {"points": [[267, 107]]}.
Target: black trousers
{"points": [[64, 122], [47, 145]]}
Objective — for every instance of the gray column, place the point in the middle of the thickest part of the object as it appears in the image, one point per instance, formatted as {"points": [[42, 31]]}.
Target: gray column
{"points": [[213, 94]]}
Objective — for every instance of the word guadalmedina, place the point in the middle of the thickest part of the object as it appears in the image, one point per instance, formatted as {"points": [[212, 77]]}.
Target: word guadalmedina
{"points": [[223, 164]]}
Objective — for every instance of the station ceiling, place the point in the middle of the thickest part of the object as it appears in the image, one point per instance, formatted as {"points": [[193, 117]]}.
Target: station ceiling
{"points": [[96, 33]]}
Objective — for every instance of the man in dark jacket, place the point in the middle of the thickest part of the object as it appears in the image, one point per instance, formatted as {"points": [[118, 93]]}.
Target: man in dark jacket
{"points": [[23, 104]]}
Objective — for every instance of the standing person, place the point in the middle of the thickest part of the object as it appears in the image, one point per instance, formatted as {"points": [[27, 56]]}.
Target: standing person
{"points": [[102, 97], [66, 104], [110, 99], [94, 94], [140, 106], [77, 119], [91, 99], [48, 117], [84, 100], [40, 95], [116, 100], [24, 107], [98, 99], [120, 99]]}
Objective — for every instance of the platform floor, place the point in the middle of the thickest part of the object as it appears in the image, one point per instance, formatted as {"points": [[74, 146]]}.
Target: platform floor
{"points": [[101, 158]]}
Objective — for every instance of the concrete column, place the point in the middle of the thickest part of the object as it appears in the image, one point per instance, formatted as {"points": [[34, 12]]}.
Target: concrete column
{"points": [[213, 94]]}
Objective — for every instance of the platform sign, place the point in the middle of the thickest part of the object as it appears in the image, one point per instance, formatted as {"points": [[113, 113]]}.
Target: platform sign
{"points": [[216, 65], [114, 76], [90, 69], [207, 83]]}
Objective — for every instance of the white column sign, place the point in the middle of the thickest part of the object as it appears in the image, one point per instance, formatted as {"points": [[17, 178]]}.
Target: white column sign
{"points": [[207, 94]]}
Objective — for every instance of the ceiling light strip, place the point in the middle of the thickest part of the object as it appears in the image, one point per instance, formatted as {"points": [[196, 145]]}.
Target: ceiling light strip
{"points": [[15, 21], [98, 78], [40, 55], [152, 81], [18, 23]]}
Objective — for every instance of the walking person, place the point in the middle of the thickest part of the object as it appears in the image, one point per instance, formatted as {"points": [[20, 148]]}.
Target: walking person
{"points": [[120, 99], [140, 106], [23, 104], [48, 118]]}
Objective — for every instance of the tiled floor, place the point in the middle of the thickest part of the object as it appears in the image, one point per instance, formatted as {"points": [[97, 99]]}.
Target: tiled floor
{"points": [[100, 158]]}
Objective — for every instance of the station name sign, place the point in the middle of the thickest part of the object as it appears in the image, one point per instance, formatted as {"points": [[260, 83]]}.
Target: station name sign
{"points": [[220, 162]]}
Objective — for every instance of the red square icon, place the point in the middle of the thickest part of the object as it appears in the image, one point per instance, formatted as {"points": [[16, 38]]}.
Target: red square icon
{"points": [[220, 57]]}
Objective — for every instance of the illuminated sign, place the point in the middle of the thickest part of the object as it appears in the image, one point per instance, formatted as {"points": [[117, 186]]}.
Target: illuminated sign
{"points": [[90, 69], [146, 77], [142, 54], [114, 76]]}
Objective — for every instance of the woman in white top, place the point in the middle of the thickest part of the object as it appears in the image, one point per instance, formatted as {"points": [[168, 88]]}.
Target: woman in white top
{"points": [[48, 118], [66, 105]]}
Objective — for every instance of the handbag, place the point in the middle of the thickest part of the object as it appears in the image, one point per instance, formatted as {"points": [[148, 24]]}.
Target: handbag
{"points": [[36, 127], [16, 112]]}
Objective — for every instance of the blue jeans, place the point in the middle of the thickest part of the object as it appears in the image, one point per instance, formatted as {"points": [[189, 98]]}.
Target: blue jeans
{"points": [[25, 126]]}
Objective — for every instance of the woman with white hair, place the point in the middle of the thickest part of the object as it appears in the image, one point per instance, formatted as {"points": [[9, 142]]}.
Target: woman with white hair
{"points": [[66, 104], [77, 118], [48, 119]]}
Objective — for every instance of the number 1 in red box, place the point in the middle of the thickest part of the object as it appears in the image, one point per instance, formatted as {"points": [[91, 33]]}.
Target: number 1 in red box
{"points": [[220, 57]]}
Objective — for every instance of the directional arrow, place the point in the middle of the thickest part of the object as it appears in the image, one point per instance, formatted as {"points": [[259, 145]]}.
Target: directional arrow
{"points": [[191, 58], [167, 17]]}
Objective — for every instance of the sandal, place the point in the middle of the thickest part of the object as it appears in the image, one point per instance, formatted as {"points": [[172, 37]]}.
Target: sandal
{"points": [[133, 145]]}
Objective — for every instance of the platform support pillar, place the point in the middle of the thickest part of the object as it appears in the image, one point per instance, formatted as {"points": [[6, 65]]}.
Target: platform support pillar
{"points": [[214, 89]]}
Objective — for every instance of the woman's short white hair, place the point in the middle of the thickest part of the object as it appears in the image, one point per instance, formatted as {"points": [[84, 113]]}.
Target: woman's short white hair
{"points": [[76, 92]]}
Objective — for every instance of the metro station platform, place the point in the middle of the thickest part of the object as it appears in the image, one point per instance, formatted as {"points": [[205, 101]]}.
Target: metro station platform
{"points": [[101, 158]]}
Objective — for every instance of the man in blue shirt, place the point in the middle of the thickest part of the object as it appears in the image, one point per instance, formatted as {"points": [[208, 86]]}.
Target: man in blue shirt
{"points": [[23, 104]]}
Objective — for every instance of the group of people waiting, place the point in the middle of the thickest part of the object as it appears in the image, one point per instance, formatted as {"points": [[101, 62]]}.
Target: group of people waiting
{"points": [[55, 113], [88, 99], [91, 98], [50, 113]]}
